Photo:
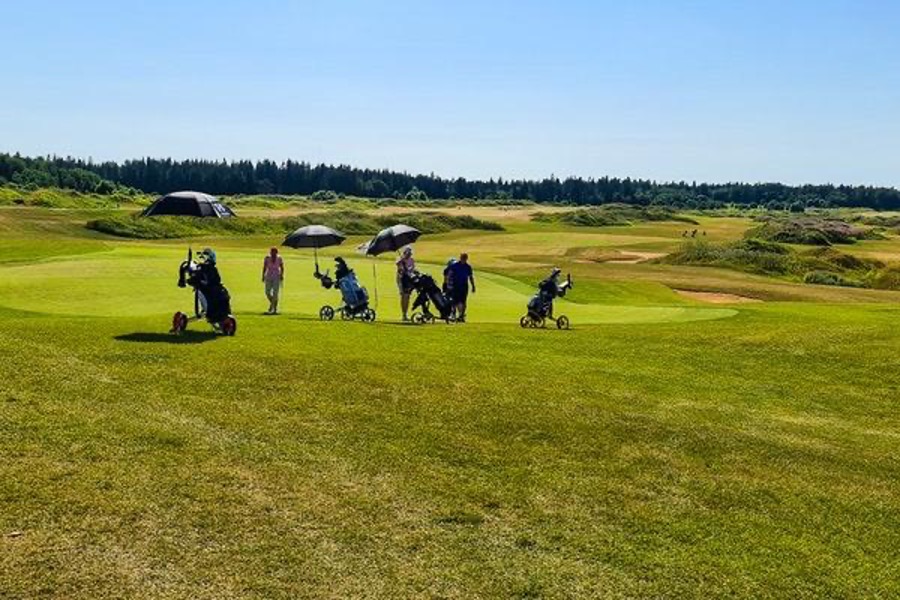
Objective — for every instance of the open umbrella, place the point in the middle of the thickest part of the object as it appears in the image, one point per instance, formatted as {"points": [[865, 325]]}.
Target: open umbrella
{"points": [[315, 237], [392, 238]]}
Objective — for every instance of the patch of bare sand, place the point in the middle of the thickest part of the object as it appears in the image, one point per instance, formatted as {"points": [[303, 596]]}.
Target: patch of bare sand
{"points": [[632, 258], [716, 297], [606, 255]]}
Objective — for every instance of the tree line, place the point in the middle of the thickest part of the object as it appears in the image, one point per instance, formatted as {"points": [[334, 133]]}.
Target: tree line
{"points": [[244, 177]]}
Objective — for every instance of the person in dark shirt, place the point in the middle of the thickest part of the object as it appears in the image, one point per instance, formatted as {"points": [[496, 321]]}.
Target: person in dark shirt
{"points": [[460, 277]]}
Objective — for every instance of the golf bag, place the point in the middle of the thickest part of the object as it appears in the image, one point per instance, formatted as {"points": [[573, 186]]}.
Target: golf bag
{"points": [[428, 293], [354, 296], [211, 299], [540, 307]]}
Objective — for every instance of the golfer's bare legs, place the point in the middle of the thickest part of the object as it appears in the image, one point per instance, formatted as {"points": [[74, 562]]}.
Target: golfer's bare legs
{"points": [[404, 306]]}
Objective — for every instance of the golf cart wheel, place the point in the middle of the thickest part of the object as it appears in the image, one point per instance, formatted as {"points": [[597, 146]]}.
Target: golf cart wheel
{"points": [[418, 318], [179, 322], [346, 313], [428, 318], [229, 326], [326, 313], [369, 315], [524, 322], [537, 323], [562, 322]]}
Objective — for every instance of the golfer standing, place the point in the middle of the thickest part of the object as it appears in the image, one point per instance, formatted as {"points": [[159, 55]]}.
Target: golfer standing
{"points": [[460, 277], [406, 266], [273, 277]]}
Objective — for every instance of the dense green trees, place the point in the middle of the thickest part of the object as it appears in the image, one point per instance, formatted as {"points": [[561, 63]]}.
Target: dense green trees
{"points": [[267, 177]]}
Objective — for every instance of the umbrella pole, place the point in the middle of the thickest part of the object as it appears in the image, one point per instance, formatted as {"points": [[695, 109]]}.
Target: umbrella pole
{"points": [[316, 256], [375, 279]]}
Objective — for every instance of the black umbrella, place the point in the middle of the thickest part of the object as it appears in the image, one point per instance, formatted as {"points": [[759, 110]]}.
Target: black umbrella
{"points": [[315, 237], [392, 238]]}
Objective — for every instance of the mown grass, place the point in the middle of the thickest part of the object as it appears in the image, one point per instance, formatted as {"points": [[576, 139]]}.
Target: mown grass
{"points": [[664, 461], [642, 454]]}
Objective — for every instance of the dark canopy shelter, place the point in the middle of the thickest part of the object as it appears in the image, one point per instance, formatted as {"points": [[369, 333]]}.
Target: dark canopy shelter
{"points": [[188, 204]]}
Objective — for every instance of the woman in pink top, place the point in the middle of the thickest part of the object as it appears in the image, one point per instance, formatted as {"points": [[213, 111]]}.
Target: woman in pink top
{"points": [[273, 277], [406, 266]]}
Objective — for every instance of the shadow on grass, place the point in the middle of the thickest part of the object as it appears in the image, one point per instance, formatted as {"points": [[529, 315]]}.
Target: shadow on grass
{"points": [[188, 337]]}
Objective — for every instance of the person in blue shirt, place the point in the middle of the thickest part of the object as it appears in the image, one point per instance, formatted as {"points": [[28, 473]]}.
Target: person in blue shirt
{"points": [[459, 277]]}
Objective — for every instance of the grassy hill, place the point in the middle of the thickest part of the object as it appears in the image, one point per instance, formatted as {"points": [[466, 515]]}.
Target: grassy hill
{"points": [[664, 447]]}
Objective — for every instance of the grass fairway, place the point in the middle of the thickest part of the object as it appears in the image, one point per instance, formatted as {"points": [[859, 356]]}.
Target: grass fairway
{"points": [[664, 447]]}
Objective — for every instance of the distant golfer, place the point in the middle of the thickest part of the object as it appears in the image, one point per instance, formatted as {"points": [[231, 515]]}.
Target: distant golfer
{"points": [[459, 277], [406, 266], [273, 277]]}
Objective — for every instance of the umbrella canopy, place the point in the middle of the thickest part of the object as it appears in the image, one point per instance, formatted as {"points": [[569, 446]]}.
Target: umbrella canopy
{"points": [[188, 204], [392, 239], [314, 236]]}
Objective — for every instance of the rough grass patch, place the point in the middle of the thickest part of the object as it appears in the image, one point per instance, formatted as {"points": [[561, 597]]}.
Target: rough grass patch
{"points": [[611, 215], [809, 231], [821, 266], [348, 222]]}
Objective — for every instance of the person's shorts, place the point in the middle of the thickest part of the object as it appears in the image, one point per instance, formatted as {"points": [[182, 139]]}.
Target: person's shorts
{"points": [[273, 287], [404, 286], [460, 295]]}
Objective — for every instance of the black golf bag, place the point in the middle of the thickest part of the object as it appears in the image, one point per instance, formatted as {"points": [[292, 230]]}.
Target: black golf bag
{"points": [[211, 299], [205, 280], [540, 307], [427, 293], [541, 304]]}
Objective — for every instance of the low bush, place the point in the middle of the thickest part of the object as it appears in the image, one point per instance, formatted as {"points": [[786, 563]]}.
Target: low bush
{"points": [[829, 278], [612, 215], [809, 231], [438, 222], [830, 259], [751, 256], [822, 266], [886, 279], [59, 198], [348, 222]]}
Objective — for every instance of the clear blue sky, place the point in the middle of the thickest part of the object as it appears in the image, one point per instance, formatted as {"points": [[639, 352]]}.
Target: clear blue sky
{"points": [[716, 90]]}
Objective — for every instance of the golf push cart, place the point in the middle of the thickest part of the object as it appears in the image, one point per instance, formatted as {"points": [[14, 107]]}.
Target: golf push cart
{"points": [[355, 297], [540, 307], [211, 300]]}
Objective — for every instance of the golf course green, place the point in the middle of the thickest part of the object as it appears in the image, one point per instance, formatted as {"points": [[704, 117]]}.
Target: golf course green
{"points": [[742, 442]]}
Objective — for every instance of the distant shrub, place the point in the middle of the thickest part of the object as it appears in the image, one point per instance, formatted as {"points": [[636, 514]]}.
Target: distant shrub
{"points": [[60, 198], [886, 279], [831, 259], [612, 215], [348, 222], [438, 222], [829, 278], [809, 231], [751, 256], [416, 195], [822, 266], [323, 196]]}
